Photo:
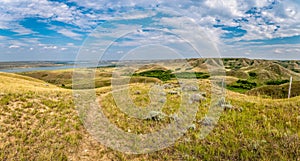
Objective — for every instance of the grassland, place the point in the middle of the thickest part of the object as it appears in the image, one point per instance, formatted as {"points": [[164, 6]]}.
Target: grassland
{"points": [[39, 121]]}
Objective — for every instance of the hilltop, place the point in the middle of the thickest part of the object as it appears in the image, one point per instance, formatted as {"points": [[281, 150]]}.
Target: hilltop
{"points": [[242, 75]]}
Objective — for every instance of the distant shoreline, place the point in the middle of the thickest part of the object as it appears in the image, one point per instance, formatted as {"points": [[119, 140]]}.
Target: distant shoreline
{"points": [[18, 67], [28, 66]]}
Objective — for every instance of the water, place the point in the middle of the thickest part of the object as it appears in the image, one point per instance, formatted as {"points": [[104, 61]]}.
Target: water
{"points": [[66, 66], [19, 70]]}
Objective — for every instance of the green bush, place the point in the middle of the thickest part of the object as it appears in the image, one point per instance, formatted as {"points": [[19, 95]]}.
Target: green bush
{"points": [[276, 82], [242, 86], [167, 75], [190, 75], [252, 74], [160, 74]]}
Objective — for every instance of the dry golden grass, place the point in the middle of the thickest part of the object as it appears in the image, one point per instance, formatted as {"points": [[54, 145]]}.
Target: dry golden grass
{"points": [[38, 121]]}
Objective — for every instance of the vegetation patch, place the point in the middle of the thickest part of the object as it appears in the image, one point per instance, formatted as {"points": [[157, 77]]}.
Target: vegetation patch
{"points": [[160, 74], [168, 75], [191, 75], [242, 86], [252, 74], [276, 82]]}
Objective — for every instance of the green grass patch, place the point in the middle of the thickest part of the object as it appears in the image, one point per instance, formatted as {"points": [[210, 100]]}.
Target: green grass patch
{"points": [[242, 86], [160, 74], [168, 75], [277, 82]]}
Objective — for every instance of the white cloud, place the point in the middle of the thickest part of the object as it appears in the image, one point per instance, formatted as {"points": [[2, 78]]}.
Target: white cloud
{"points": [[286, 14], [50, 47], [20, 9], [206, 13], [13, 46], [278, 51], [70, 34], [113, 4]]}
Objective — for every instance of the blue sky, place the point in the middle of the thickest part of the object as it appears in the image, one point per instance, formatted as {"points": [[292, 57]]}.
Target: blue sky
{"points": [[57, 29]]}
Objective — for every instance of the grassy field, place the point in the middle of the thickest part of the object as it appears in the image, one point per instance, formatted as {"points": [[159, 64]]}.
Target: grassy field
{"points": [[38, 121]]}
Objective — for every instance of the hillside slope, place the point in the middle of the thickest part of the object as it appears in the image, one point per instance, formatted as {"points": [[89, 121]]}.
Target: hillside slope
{"points": [[39, 122]]}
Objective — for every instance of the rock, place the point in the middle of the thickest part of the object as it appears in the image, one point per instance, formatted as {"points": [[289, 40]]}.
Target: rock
{"points": [[192, 127], [76, 95], [163, 100], [240, 109], [203, 94], [190, 88], [227, 107], [207, 121], [298, 118], [162, 94], [137, 92], [222, 101], [173, 92], [167, 86], [197, 98], [156, 116]]}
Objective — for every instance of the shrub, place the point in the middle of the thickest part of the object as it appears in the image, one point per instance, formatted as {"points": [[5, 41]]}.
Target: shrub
{"points": [[276, 82], [190, 75], [252, 74], [160, 74], [243, 85]]}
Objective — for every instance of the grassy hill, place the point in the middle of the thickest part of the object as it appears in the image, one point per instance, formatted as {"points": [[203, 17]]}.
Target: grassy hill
{"points": [[264, 70], [63, 78], [38, 121], [276, 91]]}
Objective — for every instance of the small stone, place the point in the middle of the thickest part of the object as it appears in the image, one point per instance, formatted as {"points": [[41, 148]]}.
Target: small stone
{"points": [[137, 92], [207, 121], [173, 92], [227, 107], [192, 127], [167, 86], [203, 94], [163, 100], [76, 95], [197, 98], [162, 94], [298, 118], [156, 115], [221, 101], [189, 88], [240, 109]]}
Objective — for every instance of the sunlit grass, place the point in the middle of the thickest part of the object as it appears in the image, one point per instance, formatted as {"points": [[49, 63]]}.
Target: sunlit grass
{"points": [[38, 121]]}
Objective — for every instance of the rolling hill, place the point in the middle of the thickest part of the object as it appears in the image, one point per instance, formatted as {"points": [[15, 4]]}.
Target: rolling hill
{"points": [[39, 121]]}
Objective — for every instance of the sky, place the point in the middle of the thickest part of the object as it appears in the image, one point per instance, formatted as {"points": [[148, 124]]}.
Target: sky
{"points": [[35, 30]]}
